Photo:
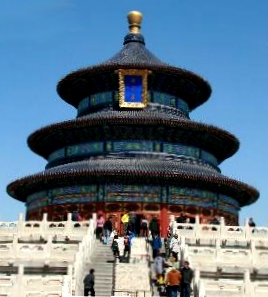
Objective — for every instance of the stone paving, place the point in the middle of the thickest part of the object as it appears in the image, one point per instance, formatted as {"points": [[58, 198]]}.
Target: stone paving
{"points": [[135, 275]]}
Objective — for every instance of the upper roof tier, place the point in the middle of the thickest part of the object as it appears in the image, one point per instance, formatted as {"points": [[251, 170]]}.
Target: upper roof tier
{"points": [[134, 55]]}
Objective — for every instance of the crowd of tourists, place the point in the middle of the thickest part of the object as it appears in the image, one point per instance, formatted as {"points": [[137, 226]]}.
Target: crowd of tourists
{"points": [[173, 276], [106, 233], [130, 223]]}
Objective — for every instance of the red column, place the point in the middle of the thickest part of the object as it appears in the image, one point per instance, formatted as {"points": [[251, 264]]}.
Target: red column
{"points": [[100, 208], [164, 220]]}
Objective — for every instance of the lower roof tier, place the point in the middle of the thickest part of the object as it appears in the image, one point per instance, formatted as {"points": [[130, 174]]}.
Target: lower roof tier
{"points": [[138, 170], [143, 125]]}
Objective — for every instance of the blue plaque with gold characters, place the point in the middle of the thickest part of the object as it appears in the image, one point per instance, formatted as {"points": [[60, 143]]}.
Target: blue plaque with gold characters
{"points": [[133, 90]]}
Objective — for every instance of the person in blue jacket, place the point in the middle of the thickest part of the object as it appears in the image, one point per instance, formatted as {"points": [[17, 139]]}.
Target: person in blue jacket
{"points": [[156, 245]]}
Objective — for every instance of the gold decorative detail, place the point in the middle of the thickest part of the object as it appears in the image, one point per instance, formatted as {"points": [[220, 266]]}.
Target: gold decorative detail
{"points": [[142, 101], [134, 20]]}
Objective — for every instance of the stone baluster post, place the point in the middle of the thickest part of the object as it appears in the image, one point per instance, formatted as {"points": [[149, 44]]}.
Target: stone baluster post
{"points": [[69, 224], [20, 225], [196, 281], [70, 270], [94, 220], [221, 231], [15, 246], [197, 227], [182, 248], [172, 224], [247, 282], [222, 227], [247, 231], [20, 286], [254, 254], [66, 287], [201, 289], [49, 247], [44, 227], [218, 250]]}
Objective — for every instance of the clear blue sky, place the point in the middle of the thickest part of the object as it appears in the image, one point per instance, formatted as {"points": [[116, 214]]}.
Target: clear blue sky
{"points": [[226, 42]]}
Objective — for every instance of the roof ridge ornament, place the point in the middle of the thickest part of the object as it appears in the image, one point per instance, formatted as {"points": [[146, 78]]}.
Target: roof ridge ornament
{"points": [[134, 19]]}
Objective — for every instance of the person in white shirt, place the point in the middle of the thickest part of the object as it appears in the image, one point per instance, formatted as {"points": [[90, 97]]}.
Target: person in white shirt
{"points": [[175, 246]]}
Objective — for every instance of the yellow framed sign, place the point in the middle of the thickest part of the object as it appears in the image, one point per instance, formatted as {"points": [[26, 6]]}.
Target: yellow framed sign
{"points": [[133, 91]]}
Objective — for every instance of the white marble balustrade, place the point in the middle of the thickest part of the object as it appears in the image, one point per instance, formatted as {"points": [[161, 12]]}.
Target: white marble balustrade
{"points": [[35, 229], [47, 252], [250, 257], [82, 259], [41, 244], [35, 286], [232, 288], [206, 232]]}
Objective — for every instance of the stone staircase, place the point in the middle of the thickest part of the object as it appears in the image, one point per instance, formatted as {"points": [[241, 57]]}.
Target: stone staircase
{"points": [[102, 260]]}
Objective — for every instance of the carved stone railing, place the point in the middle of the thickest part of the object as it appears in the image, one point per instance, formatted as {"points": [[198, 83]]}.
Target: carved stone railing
{"points": [[35, 286], [231, 260], [221, 256], [65, 243], [36, 230], [232, 288], [207, 233], [212, 287], [83, 258]]}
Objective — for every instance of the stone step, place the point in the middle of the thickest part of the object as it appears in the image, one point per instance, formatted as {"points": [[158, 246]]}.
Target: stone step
{"points": [[104, 285], [100, 266], [103, 271], [104, 282], [104, 288], [104, 257], [104, 276], [103, 292], [102, 262]]}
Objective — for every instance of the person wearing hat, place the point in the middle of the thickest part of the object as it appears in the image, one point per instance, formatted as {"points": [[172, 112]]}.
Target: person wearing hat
{"points": [[173, 280], [187, 275]]}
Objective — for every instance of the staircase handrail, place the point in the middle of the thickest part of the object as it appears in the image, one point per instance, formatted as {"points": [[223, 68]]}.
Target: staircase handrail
{"points": [[82, 257]]}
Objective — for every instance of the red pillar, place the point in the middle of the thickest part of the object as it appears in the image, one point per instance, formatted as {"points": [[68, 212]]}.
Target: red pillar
{"points": [[164, 220], [100, 208]]}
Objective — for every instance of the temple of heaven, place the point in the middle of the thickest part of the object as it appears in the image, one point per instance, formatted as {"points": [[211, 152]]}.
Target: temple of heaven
{"points": [[132, 146]]}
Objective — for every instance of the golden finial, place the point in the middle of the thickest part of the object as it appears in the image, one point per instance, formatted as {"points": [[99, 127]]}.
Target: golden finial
{"points": [[134, 20]]}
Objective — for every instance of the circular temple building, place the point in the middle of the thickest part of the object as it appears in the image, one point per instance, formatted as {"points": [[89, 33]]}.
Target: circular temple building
{"points": [[132, 146]]}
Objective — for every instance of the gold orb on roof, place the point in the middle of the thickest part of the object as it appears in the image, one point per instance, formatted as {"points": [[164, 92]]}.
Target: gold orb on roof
{"points": [[134, 20]]}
